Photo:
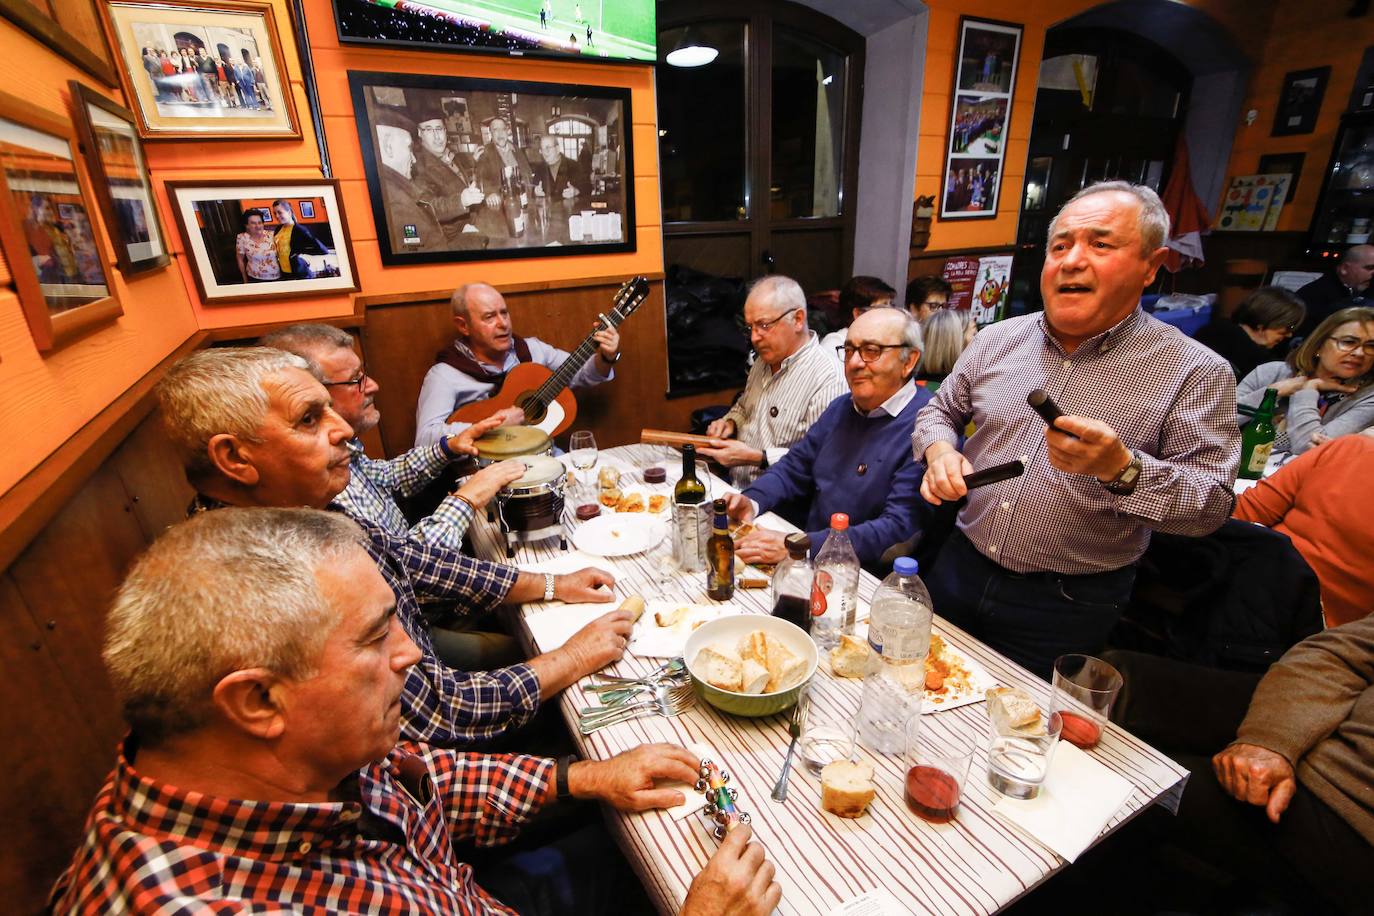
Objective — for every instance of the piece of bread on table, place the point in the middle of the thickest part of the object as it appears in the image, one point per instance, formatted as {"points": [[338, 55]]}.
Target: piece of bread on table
{"points": [[669, 618], [631, 502], [754, 677], [720, 669], [635, 605], [847, 788], [851, 657], [610, 498], [1014, 707], [658, 503], [609, 478]]}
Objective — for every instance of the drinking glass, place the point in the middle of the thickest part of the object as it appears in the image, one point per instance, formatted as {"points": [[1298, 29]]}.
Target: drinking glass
{"points": [[1018, 763], [582, 452], [828, 732], [1084, 689], [937, 768]]}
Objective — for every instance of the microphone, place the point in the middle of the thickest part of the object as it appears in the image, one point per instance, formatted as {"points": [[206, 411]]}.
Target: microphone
{"points": [[995, 474], [1049, 411]]}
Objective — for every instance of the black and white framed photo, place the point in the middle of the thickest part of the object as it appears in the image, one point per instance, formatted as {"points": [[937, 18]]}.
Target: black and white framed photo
{"points": [[254, 239], [980, 117], [119, 175], [466, 169], [1300, 100]]}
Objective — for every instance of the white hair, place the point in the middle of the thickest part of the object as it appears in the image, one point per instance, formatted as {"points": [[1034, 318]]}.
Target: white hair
{"points": [[308, 341], [228, 590], [784, 292], [1154, 219], [215, 391]]}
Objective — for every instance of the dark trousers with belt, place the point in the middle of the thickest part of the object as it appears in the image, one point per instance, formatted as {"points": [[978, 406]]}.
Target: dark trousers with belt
{"points": [[1031, 618]]}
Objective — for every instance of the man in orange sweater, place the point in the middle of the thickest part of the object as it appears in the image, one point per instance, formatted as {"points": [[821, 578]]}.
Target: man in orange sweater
{"points": [[1323, 501]]}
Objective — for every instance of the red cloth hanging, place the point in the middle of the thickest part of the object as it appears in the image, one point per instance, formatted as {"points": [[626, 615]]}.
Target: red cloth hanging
{"points": [[1187, 215]]}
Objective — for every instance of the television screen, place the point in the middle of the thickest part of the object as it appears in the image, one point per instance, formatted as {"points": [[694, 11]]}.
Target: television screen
{"points": [[600, 30]]}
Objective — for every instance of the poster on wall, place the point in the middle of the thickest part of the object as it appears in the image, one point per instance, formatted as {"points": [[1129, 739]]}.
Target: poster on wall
{"points": [[1300, 100], [991, 288], [264, 239], [980, 116], [1253, 203], [960, 273], [467, 169]]}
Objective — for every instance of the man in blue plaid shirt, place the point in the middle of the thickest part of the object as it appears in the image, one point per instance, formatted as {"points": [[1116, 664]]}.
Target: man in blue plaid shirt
{"points": [[255, 428]]}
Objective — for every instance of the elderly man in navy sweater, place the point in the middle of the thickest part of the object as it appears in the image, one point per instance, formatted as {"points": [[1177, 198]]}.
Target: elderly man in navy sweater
{"points": [[855, 459]]}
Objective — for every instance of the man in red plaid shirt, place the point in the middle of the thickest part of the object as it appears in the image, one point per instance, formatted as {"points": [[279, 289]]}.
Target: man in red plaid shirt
{"points": [[260, 663]]}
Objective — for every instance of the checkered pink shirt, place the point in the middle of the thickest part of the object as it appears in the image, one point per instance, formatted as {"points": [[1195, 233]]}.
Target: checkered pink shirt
{"points": [[1170, 399]]}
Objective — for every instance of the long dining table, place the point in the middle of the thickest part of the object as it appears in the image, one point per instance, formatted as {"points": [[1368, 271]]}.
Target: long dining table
{"points": [[978, 863]]}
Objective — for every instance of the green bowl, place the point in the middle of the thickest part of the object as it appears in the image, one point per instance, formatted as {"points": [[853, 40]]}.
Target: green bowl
{"points": [[729, 631]]}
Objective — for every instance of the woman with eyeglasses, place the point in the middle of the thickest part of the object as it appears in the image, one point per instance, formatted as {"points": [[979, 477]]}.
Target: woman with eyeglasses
{"points": [[1325, 387], [1260, 324]]}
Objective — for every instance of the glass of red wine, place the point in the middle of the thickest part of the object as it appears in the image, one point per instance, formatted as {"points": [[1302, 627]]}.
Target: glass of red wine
{"points": [[1084, 689], [937, 768]]}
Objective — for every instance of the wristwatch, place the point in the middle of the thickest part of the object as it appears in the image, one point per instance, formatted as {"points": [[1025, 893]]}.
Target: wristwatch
{"points": [[612, 359], [1123, 484], [560, 779]]}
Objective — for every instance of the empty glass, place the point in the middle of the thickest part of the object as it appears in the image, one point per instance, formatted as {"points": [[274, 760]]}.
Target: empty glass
{"points": [[582, 454], [1084, 689], [827, 733], [1018, 763]]}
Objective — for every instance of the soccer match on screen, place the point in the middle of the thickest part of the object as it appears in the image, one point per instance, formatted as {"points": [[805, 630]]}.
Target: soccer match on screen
{"points": [[613, 29]]}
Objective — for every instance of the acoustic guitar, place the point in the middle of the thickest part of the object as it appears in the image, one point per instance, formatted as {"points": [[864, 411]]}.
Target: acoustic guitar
{"points": [[543, 393]]}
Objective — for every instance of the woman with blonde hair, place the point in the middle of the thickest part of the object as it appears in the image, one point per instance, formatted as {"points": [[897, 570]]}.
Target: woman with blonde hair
{"points": [[1325, 387], [946, 333]]}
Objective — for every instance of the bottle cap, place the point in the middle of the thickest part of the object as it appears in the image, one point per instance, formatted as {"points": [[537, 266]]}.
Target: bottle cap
{"points": [[839, 521], [906, 566], [719, 505], [798, 545]]}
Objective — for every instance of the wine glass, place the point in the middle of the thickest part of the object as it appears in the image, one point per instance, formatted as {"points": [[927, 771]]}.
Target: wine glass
{"points": [[582, 450]]}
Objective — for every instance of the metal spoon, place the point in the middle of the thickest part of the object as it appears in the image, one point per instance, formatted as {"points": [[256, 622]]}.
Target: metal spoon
{"points": [[794, 729], [671, 668]]}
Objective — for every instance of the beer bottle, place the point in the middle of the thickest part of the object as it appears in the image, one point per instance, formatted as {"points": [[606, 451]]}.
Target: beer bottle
{"points": [[720, 557], [689, 489], [1257, 439]]}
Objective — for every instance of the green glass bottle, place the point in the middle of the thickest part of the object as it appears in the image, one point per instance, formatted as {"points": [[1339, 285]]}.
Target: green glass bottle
{"points": [[1257, 439], [689, 489]]}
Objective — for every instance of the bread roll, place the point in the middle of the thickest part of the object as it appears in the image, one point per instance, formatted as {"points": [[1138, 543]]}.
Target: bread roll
{"points": [[720, 670], [793, 673], [635, 605], [851, 657], [847, 788], [754, 677], [669, 618]]}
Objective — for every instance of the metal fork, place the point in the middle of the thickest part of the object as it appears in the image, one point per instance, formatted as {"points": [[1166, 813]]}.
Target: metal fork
{"points": [[668, 701], [794, 729], [624, 693], [673, 667]]}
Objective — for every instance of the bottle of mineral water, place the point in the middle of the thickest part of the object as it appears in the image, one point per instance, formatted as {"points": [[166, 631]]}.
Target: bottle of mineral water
{"points": [[899, 632], [834, 597]]}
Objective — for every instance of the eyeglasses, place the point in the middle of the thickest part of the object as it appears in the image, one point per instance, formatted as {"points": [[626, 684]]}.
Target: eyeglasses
{"points": [[1349, 344], [763, 327], [869, 352], [434, 129], [357, 380]]}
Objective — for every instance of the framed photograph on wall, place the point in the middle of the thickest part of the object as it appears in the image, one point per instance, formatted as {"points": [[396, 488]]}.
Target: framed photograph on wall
{"points": [[48, 227], [980, 116], [208, 69], [71, 28], [119, 173], [1283, 164], [467, 169], [1300, 100], [253, 239]]}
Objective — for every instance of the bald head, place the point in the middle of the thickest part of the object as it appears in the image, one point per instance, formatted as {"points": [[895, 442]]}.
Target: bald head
{"points": [[1356, 267], [893, 341]]}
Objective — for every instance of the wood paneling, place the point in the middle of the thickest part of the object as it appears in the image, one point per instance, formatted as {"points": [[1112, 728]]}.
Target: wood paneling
{"points": [[401, 338], [154, 482], [53, 762]]}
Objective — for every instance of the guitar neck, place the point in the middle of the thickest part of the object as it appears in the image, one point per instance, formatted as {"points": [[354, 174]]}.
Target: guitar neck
{"points": [[555, 383]]}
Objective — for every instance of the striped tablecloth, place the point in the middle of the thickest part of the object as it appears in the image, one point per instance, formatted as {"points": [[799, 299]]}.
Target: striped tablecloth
{"points": [[977, 864]]}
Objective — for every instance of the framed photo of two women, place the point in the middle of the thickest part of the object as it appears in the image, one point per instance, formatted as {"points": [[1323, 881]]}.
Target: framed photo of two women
{"points": [[980, 116]]}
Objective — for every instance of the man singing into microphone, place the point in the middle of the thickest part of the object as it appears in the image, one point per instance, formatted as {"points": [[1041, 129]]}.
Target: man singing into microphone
{"points": [[1042, 564]]}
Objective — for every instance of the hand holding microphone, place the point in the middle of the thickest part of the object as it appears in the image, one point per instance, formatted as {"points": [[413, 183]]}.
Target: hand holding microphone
{"points": [[1079, 445]]}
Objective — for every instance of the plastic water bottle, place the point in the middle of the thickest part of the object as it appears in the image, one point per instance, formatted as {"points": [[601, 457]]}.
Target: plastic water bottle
{"points": [[899, 631], [834, 596]]}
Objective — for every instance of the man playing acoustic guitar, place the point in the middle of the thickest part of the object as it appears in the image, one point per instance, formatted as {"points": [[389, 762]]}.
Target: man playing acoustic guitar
{"points": [[486, 348]]}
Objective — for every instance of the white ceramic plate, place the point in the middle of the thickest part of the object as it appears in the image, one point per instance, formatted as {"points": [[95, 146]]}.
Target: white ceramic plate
{"points": [[619, 534]]}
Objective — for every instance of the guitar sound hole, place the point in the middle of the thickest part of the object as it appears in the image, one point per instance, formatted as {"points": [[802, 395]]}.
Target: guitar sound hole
{"points": [[534, 411]]}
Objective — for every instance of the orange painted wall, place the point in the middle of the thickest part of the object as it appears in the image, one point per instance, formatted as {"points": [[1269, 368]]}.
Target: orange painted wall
{"points": [[1304, 35], [332, 61], [1248, 23], [44, 400]]}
